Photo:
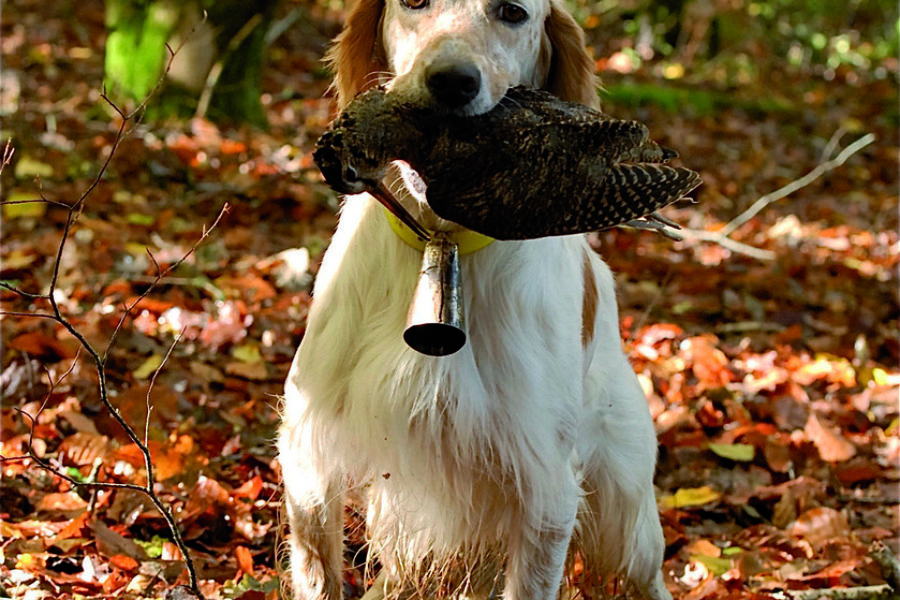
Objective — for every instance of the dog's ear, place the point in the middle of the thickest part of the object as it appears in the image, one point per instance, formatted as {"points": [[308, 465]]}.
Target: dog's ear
{"points": [[357, 53], [569, 67]]}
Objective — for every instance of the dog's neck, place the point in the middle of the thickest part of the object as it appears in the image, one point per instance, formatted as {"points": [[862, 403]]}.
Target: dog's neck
{"points": [[409, 189]]}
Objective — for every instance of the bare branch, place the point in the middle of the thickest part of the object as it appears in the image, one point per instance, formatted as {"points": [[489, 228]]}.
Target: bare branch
{"points": [[718, 237], [890, 566], [153, 381], [723, 236], [8, 152], [868, 592], [797, 184], [35, 201], [19, 292]]}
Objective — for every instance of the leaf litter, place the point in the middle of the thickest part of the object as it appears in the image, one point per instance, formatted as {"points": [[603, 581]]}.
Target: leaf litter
{"points": [[773, 384]]}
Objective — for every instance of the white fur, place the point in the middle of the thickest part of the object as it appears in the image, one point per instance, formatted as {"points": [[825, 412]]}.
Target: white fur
{"points": [[486, 460]]}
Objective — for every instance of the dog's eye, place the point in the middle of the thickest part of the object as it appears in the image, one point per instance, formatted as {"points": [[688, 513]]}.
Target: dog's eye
{"points": [[414, 4], [511, 13]]}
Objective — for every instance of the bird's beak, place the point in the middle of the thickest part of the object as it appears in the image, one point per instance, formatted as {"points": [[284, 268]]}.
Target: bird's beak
{"points": [[381, 193]]}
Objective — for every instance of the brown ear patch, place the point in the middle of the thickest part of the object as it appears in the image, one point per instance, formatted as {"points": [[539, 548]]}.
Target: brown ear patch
{"points": [[589, 303]]}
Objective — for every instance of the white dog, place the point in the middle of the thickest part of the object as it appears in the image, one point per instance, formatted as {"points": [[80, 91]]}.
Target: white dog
{"points": [[484, 470]]}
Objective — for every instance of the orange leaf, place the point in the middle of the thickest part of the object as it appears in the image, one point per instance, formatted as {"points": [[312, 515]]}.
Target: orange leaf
{"points": [[232, 147], [170, 552], [167, 460], [74, 528], [709, 363], [42, 346], [244, 559], [250, 490], [126, 563], [61, 501], [832, 446]]}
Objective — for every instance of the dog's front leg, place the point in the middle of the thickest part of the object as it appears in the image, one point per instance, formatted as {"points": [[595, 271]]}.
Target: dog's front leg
{"points": [[316, 544], [314, 503], [537, 551]]}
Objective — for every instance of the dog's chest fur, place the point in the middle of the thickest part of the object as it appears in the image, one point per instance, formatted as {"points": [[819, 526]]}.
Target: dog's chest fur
{"points": [[441, 440]]}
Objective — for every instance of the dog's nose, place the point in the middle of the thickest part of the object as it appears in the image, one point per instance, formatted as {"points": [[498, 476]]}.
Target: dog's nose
{"points": [[453, 83]]}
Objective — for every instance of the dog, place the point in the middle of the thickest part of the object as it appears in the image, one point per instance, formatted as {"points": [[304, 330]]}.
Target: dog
{"points": [[485, 471]]}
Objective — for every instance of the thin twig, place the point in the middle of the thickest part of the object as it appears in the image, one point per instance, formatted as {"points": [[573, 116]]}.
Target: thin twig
{"points": [[22, 293], [35, 201], [818, 171], [723, 236], [888, 563], [868, 592], [156, 372], [8, 151], [719, 237]]}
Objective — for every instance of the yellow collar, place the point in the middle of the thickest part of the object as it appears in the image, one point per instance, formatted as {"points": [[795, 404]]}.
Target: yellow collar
{"points": [[468, 241]]}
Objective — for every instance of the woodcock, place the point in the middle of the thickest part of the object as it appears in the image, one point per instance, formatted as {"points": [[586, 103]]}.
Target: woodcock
{"points": [[533, 166]]}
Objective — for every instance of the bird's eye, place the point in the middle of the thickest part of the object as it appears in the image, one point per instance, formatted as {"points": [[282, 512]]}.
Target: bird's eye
{"points": [[414, 4], [511, 13]]}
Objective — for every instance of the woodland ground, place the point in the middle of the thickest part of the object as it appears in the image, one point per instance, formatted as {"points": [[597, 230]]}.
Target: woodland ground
{"points": [[773, 379]]}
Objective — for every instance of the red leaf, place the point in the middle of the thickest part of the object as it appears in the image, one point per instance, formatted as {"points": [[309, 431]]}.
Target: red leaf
{"points": [[250, 490], [126, 563], [42, 346], [244, 559], [855, 473], [709, 363]]}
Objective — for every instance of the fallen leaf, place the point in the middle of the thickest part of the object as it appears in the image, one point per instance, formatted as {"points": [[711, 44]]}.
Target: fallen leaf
{"points": [[111, 543], [709, 364], [41, 346], [121, 561], [253, 371], [736, 452], [250, 489], [247, 353], [84, 448], [148, 367], [715, 564], [244, 559], [75, 528], [690, 497], [62, 501], [820, 524], [832, 446], [28, 167]]}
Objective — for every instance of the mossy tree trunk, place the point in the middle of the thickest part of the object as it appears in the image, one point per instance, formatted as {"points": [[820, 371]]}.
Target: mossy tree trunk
{"points": [[218, 66]]}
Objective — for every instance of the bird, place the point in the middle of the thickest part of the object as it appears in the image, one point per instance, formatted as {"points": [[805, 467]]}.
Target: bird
{"points": [[533, 166]]}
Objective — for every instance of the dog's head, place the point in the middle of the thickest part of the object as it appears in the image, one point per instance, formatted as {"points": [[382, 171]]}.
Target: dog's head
{"points": [[462, 55]]}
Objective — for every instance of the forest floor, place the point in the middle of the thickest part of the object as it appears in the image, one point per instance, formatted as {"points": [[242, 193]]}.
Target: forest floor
{"points": [[772, 376]]}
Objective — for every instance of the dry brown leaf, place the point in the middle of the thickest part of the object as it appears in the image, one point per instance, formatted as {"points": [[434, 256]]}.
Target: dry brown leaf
{"points": [[35, 343], [785, 510], [820, 524], [63, 501], [111, 543], [84, 448], [252, 371]]}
